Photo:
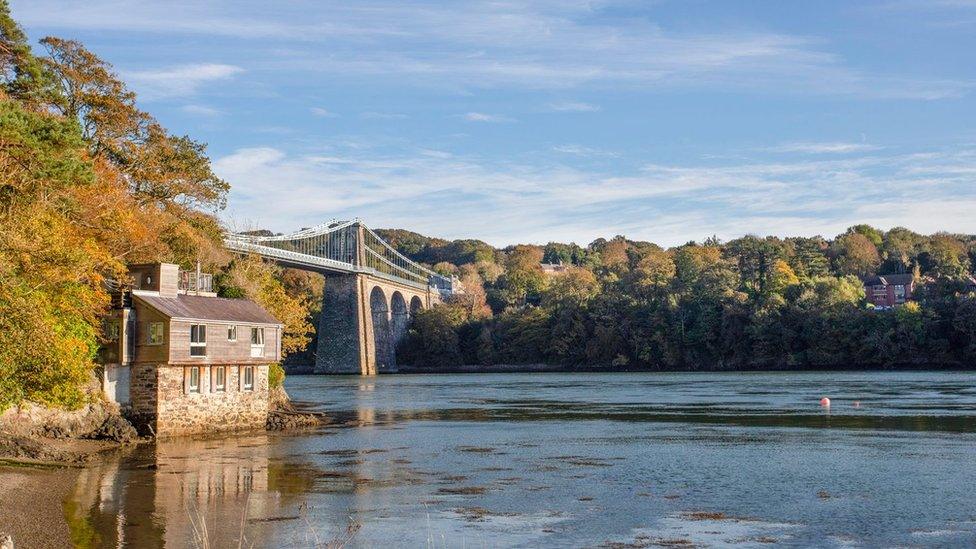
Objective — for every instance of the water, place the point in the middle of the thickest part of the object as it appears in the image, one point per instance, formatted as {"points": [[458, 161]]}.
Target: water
{"points": [[567, 460]]}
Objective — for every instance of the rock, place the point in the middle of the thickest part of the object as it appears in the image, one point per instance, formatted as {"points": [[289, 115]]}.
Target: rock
{"points": [[6, 542], [56, 432], [116, 428], [283, 421]]}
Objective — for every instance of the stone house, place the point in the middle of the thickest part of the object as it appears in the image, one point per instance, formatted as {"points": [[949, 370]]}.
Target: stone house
{"points": [[181, 360], [552, 269], [889, 290]]}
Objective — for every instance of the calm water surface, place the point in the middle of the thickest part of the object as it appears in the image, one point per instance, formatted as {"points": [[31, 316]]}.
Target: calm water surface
{"points": [[567, 460]]}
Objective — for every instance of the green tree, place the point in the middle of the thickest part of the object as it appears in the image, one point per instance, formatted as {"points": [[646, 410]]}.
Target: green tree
{"points": [[21, 73], [432, 339], [810, 259], [874, 235], [757, 259], [900, 249], [947, 257], [523, 273]]}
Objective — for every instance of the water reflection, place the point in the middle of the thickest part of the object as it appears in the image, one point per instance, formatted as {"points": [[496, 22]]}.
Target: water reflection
{"points": [[205, 492], [509, 460]]}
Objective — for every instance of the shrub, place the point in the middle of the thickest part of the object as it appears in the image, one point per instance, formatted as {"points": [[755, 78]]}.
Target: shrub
{"points": [[276, 376]]}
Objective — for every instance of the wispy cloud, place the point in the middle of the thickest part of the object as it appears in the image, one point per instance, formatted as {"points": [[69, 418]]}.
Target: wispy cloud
{"points": [[835, 147], [573, 106], [580, 150], [180, 80], [456, 197], [482, 117], [322, 113], [486, 44], [201, 110]]}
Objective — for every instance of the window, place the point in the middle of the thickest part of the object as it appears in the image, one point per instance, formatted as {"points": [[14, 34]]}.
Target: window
{"points": [[193, 384], [899, 292], [155, 333], [232, 333], [198, 340], [248, 378], [219, 379], [257, 342]]}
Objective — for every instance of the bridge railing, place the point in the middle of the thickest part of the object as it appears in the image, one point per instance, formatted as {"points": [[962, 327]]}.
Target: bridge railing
{"points": [[348, 246]]}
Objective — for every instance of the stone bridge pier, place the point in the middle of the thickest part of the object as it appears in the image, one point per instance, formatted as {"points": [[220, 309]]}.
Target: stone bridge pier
{"points": [[363, 319]]}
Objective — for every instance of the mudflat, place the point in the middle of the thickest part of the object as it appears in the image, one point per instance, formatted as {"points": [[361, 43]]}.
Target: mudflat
{"points": [[32, 504]]}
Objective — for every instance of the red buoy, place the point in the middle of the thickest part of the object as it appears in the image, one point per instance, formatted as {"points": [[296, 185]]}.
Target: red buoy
{"points": [[825, 402]]}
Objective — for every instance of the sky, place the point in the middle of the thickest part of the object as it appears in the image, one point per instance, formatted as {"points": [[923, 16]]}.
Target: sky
{"points": [[560, 120]]}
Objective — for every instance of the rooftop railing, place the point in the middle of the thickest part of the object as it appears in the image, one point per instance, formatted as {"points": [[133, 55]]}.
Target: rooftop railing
{"points": [[190, 281]]}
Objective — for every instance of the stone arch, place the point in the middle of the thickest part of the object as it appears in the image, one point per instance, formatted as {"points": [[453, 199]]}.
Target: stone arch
{"points": [[416, 305], [382, 334], [399, 317]]}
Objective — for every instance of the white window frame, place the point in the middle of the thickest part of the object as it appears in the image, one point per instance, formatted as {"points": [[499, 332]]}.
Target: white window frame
{"points": [[247, 386], [189, 381], [201, 343], [219, 385], [153, 338], [232, 333], [257, 342]]}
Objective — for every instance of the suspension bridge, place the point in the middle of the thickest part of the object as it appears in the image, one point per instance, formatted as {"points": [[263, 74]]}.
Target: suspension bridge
{"points": [[371, 290]]}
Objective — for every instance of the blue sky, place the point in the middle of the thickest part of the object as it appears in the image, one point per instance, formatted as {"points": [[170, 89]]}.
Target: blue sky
{"points": [[561, 119]]}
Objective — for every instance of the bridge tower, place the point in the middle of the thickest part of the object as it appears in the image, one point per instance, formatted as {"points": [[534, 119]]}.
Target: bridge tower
{"points": [[371, 291]]}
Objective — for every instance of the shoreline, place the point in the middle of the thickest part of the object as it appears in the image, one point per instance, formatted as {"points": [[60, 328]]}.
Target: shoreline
{"points": [[33, 436], [33, 497], [560, 368]]}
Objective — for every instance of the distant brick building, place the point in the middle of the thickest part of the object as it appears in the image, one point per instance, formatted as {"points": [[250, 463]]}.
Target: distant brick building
{"points": [[889, 290], [180, 360]]}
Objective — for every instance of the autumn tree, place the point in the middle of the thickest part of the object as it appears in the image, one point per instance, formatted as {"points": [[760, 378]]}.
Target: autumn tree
{"points": [[855, 254], [472, 298], [256, 279], [874, 235], [52, 267], [170, 177]]}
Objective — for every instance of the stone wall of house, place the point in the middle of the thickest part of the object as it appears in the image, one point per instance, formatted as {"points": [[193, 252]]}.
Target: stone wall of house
{"points": [[180, 411], [141, 410]]}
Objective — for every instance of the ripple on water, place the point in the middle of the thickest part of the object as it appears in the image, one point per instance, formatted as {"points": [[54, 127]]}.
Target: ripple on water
{"points": [[707, 529]]}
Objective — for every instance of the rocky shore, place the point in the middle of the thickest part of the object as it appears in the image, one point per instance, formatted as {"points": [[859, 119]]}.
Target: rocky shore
{"points": [[43, 450], [33, 433], [284, 415]]}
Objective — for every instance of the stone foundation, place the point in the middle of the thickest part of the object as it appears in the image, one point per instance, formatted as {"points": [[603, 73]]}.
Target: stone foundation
{"points": [[163, 406]]}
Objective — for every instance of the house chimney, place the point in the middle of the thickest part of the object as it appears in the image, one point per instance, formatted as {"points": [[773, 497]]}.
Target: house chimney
{"points": [[169, 280]]}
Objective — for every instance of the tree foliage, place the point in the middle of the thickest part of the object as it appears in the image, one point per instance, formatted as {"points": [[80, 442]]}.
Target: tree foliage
{"points": [[751, 303], [89, 183]]}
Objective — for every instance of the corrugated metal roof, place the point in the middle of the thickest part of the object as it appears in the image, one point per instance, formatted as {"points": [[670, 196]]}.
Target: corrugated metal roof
{"points": [[208, 308]]}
